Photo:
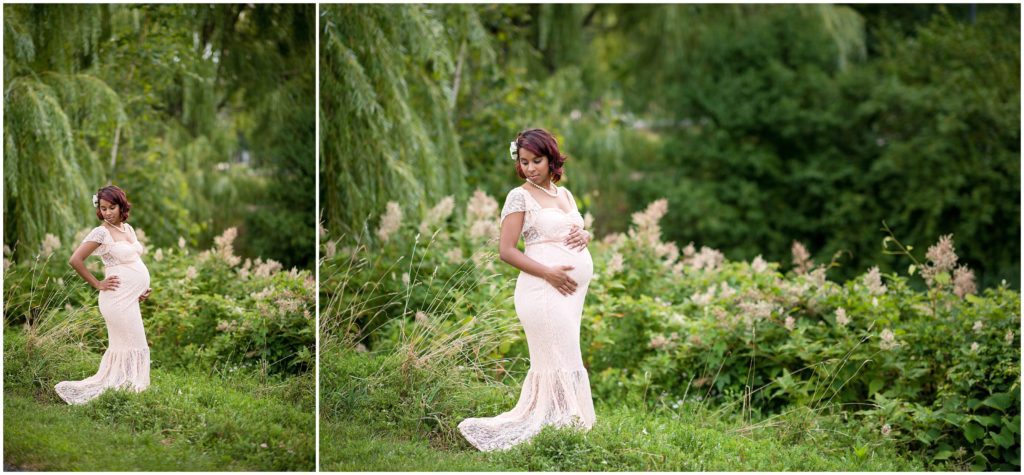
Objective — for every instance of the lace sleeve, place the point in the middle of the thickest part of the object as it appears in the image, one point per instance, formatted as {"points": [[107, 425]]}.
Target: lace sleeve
{"points": [[98, 235]]}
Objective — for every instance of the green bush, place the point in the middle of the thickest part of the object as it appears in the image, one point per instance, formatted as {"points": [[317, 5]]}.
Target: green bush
{"points": [[208, 309], [936, 370]]}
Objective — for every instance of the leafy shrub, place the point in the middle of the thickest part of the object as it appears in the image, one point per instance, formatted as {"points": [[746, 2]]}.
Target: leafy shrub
{"points": [[936, 370], [207, 309]]}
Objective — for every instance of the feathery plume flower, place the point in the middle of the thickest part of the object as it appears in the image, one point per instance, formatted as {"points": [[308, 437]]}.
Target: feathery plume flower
{"points": [[758, 264], [646, 229], [613, 240], [615, 264], [841, 317], [437, 215], [888, 340], [49, 245], [262, 294], [481, 206], [708, 259], [331, 248], [975, 347], [661, 341], [759, 310], [158, 255], [668, 250], [801, 258], [963, 282], [942, 258], [486, 228], [191, 273], [873, 281], [266, 269], [689, 250], [405, 278], [454, 256], [705, 298], [245, 270], [588, 221], [1009, 336], [790, 323], [181, 242], [886, 430], [390, 221], [978, 325], [481, 216], [725, 291], [287, 305], [817, 276], [224, 247], [421, 317]]}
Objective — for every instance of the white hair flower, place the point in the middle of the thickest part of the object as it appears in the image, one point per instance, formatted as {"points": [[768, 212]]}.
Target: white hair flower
{"points": [[513, 150], [95, 201]]}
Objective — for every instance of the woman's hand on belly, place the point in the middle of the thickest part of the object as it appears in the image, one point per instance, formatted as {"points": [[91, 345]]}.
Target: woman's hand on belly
{"points": [[558, 277], [145, 295], [578, 238]]}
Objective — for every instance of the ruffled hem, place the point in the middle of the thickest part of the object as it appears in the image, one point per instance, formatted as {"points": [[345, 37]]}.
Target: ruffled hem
{"points": [[557, 398], [119, 369]]}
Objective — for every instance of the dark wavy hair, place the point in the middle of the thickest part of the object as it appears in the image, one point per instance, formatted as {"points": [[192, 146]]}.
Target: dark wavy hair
{"points": [[542, 144], [116, 196]]}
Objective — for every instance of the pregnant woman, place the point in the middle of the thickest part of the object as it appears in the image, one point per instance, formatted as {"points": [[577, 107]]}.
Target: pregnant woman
{"points": [[125, 364], [555, 271]]}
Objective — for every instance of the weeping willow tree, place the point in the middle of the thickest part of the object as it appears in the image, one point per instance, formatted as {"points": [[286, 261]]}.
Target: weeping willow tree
{"points": [[201, 112], [60, 121], [386, 131]]}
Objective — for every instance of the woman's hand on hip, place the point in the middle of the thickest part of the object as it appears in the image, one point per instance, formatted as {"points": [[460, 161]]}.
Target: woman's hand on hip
{"points": [[558, 277], [577, 238], [110, 283], [145, 295]]}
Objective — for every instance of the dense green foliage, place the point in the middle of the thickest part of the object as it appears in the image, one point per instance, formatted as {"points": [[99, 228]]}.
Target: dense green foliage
{"points": [[232, 345], [936, 370], [756, 131], [203, 114], [208, 310]]}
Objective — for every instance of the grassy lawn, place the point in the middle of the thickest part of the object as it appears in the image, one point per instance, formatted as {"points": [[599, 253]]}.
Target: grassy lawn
{"points": [[622, 440], [184, 421], [371, 422]]}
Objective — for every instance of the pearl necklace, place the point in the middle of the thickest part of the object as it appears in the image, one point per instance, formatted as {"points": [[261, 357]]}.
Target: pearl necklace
{"points": [[545, 190], [121, 228]]}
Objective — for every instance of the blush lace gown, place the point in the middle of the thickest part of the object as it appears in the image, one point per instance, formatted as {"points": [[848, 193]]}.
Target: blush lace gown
{"points": [[125, 364], [556, 390]]}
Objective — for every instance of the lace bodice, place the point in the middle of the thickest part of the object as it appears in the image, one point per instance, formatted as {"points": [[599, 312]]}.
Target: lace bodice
{"points": [[115, 252], [541, 224]]}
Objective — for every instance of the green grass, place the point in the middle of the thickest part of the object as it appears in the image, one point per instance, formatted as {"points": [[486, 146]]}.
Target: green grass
{"points": [[622, 440], [385, 426], [187, 420]]}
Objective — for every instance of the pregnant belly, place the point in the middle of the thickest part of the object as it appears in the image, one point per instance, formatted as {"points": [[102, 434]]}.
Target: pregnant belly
{"points": [[558, 254], [134, 280]]}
